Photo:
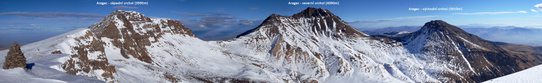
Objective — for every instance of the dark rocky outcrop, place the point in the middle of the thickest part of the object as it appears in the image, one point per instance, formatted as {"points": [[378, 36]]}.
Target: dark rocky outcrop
{"points": [[171, 78], [56, 52], [15, 57]]}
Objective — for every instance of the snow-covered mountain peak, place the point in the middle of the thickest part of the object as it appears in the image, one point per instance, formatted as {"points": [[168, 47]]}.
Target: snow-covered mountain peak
{"points": [[441, 26], [438, 30], [314, 12], [125, 11], [127, 15], [472, 56], [135, 22], [119, 37], [313, 21]]}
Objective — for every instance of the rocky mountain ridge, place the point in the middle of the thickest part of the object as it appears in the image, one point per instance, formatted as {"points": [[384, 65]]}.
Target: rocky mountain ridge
{"points": [[313, 45]]}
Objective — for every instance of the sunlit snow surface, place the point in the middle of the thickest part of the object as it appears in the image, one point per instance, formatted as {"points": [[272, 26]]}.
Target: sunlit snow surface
{"points": [[531, 75], [46, 67], [365, 60], [359, 59], [320, 57]]}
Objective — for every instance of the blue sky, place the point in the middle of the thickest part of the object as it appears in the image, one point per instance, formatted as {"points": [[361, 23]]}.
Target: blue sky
{"points": [[220, 19]]}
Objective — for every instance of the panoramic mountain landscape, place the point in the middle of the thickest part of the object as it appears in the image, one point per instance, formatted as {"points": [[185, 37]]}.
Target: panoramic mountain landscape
{"points": [[280, 41], [313, 45]]}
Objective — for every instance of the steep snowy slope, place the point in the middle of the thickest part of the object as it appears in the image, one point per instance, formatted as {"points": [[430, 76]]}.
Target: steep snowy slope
{"points": [[45, 64], [316, 45], [473, 58], [531, 75], [128, 47], [313, 45]]}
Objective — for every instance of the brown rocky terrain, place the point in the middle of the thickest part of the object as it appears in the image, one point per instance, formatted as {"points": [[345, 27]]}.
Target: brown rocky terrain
{"points": [[15, 58], [129, 31]]}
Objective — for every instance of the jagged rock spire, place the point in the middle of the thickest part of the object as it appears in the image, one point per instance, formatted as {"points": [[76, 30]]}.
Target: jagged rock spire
{"points": [[15, 57]]}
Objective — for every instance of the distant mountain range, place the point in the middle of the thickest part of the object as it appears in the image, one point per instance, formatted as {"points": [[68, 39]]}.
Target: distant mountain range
{"points": [[311, 46]]}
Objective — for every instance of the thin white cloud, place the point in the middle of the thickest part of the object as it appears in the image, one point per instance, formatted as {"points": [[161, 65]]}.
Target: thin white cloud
{"points": [[493, 13], [539, 6], [534, 10]]}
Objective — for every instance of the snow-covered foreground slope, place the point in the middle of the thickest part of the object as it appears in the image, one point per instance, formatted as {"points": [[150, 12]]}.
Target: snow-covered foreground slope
{"points": [[19, 75], [531, 75], [45, 63], [311, 46], [42, 72]]}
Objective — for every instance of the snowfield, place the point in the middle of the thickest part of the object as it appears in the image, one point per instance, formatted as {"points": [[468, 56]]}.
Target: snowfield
{"points": [[531, 75], [19, 75], [46, 68]]}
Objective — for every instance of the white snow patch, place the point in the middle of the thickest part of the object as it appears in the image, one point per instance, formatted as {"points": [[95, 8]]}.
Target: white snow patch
{"points": [[531, 75], [19, 75], [475, 45]]}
